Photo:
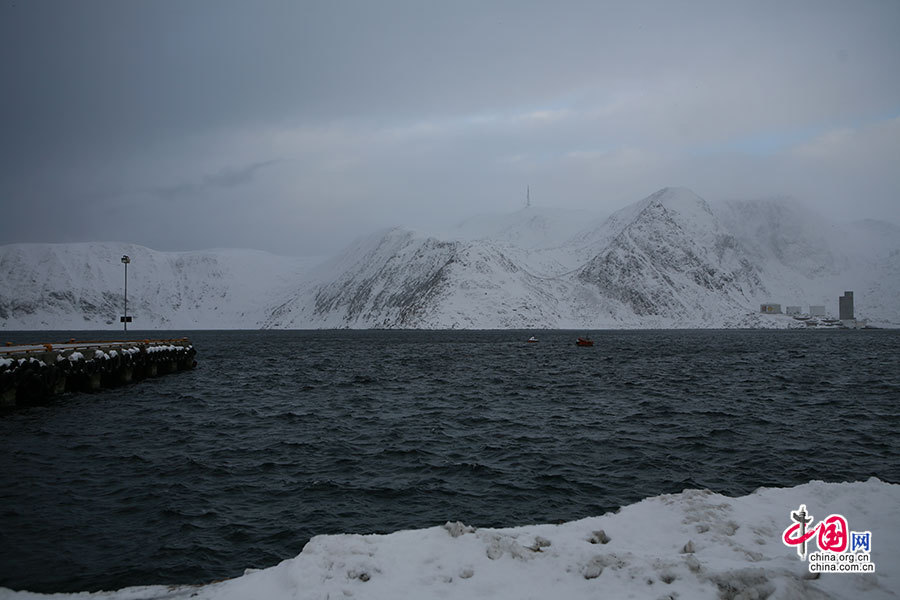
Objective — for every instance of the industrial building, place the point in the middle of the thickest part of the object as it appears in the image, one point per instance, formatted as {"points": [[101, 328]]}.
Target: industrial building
{"points": [[770, 309], [792, 310], [845, 306], [817, 311]]}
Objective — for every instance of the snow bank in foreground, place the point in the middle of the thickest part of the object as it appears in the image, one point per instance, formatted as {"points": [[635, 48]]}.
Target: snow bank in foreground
{"points": [[696, 544]]}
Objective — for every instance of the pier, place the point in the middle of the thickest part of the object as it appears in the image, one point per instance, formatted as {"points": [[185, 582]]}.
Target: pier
{"points": [[33, 373]]}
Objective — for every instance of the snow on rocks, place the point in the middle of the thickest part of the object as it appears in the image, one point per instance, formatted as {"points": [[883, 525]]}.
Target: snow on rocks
{"points": [[458, 528], [29, 361], [696, 544], [166, 348]]}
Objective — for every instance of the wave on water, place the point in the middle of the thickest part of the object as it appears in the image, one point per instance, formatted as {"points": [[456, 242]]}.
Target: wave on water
{"points": [[196, 476]]}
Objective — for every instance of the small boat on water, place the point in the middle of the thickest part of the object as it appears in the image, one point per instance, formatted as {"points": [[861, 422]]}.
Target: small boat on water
{"points": [[584, 341], [532, 340]]}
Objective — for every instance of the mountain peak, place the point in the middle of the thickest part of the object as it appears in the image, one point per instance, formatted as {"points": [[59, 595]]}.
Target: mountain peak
{"points": [[688, 206], [675, 197], [673, 190]]}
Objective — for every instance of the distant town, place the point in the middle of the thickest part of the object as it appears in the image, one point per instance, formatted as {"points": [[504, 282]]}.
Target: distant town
{"points": [[816, 317]]}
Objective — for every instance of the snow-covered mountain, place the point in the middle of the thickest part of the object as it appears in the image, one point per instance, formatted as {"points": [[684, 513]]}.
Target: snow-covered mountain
{"points": [[81, 286], [402, 279], [670, 260]]}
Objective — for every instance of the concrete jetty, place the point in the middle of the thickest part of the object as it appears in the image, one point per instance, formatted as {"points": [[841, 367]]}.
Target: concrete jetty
{"points": [[33, 373]]}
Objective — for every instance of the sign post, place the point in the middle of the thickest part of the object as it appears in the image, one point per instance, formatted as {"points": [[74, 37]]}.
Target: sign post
{"points": [[126, 319]]}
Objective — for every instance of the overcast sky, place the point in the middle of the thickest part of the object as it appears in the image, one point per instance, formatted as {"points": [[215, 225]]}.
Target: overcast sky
{"points": [[295, 126]]}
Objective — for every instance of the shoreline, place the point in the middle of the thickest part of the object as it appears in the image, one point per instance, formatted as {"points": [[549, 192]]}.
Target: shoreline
{"points": [[694, 544]]}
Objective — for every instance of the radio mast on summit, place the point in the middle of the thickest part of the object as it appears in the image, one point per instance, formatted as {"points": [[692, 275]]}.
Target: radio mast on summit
{"points": [[527, 196]]}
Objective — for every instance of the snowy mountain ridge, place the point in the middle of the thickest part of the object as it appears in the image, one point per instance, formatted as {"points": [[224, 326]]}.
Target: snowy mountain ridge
{"points": [[81, 286], [669, 260], [673, 258]]}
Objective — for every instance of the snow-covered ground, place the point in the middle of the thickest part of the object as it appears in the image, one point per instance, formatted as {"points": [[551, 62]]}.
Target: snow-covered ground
{"points": [[692, 545]]}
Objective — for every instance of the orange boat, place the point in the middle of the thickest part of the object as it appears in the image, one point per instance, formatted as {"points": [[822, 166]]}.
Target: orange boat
{"points": [[584, 342]]}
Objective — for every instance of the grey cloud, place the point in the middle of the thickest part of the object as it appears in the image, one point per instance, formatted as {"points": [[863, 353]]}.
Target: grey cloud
{"points": [[231, 176], [398, 111], [227, 177]]}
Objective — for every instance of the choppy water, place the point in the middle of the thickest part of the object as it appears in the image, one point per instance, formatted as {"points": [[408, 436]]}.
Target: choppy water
{"points": [[279, 436]]}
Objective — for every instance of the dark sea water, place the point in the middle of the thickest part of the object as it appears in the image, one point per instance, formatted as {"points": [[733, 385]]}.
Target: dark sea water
{"points": [[280, 436]]}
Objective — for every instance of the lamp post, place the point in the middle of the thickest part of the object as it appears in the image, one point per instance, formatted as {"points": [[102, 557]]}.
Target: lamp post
{"points": [[125, 319]]}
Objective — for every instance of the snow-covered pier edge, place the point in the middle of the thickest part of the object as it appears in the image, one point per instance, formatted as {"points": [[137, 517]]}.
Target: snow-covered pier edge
{"points": [[32, 374]]}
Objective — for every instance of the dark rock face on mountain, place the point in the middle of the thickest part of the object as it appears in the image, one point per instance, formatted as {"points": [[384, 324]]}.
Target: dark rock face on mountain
{"points": [[673, 258]]}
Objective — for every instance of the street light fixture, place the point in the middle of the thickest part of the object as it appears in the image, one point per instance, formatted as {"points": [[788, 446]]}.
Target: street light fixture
{"points": [[126, 319]]}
